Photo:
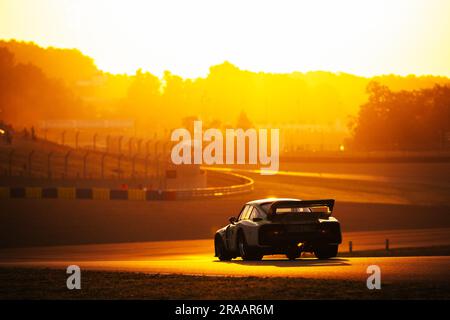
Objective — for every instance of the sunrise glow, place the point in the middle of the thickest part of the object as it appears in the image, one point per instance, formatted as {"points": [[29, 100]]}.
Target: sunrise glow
{"points": [[187, 37]]}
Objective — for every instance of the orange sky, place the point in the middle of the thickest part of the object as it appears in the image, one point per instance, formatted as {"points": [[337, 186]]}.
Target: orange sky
{"points": [[186, 37]]}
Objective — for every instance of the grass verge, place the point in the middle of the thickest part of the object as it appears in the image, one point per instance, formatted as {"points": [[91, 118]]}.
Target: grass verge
{"points": [[35, 283]]}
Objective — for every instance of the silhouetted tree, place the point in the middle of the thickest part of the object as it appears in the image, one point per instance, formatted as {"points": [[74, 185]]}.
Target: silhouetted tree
{"points": [[27, 95], [403, 120]]}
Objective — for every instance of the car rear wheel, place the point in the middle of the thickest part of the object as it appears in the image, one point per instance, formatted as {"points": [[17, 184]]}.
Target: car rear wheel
{"points": [[326, 251], [293, 253], [221, 252], [245, 252]]}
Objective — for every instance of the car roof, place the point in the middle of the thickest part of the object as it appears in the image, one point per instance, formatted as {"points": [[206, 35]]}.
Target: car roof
{"points": [[270, 200]]}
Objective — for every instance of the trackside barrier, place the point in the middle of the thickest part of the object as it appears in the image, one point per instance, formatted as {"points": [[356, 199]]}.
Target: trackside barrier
{"points": [[50, 193], [33, 193], [17, 192], [387, 247], [100, 194], [66, 193], [212, 192], [84, 193], [245, 186], [136, 194], [4, 193], [118, 194]]}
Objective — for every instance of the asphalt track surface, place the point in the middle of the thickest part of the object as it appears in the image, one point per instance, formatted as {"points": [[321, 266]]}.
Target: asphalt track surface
{"points": [[373, 207], [195, 257], [369, 197]]}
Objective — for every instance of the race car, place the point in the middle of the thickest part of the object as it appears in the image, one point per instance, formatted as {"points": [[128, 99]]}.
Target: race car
{"points": [[280, 226]]}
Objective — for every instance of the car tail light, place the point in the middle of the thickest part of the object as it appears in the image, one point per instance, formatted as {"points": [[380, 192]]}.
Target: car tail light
{"points": [[329, 228]]}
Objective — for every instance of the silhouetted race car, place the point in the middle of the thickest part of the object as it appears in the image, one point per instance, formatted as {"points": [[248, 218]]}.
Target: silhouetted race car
{"points": [[280, 226]]}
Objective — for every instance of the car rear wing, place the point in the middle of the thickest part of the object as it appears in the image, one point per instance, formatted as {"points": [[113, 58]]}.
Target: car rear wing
{"points": [[301, 204]]}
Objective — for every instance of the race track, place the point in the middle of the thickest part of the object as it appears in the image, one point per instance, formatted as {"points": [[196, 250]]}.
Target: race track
{"points": [[369, 197], [195, 257], [407, 204]]}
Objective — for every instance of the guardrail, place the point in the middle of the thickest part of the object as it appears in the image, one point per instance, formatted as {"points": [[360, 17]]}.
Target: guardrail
{"points": [[245, 186]]}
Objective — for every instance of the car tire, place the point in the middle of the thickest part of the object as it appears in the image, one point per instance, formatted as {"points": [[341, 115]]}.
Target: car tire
{"points": [[220, 250], [245, 252], [293, 253], [326, 251]]}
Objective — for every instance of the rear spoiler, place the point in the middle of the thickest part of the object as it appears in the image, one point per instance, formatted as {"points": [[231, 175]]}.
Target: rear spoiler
{"points": [[301, 204]]}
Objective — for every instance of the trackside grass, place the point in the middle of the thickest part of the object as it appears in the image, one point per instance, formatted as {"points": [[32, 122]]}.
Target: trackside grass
{"points": [[35, 283]]}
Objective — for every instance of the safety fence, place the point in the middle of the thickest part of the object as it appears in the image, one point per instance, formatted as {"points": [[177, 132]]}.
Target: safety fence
{"points": [[77, 163], [245, 185]]}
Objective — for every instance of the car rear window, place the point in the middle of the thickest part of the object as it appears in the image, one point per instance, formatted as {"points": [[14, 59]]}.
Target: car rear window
{"points": [[325, 209]]}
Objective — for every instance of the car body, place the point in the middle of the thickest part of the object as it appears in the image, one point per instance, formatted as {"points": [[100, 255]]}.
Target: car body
{"points": [[280, 226]]}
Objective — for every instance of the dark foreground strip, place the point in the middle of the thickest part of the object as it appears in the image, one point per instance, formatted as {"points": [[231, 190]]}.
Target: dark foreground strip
{"points": [[223, 309]]}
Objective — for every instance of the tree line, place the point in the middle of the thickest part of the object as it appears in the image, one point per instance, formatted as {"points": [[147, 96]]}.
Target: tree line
{"points": [[394, 112], [403, 120]]}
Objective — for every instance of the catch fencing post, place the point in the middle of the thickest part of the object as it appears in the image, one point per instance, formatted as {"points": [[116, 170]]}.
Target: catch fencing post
{"points": [[103, 165], [77, 134], [120, 144], [85, 164], [139, 144], [49, 165], [147, 147], [66, 163], [10, 160], [156, 148], [146, 165], [130, 147], [350, 246], [94, 142], [165, 149], [133, 166], [119, 161], [387, 244], [30, 160], [108, 140], [158, 178]]}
